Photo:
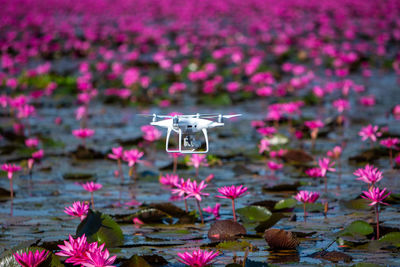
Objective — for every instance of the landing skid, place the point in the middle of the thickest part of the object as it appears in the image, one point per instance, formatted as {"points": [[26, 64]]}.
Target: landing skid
{"points": [[185, 151]]}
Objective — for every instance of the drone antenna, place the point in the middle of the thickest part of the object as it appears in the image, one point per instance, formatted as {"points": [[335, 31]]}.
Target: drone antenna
{"points": [[154, 117]]}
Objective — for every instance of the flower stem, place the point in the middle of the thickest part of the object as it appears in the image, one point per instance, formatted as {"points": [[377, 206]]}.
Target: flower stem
{"points": [[197, 172], [120, 171], [391, 158], [304, 209], [233, 209], [175, 165], [377, 221], [326, 184], [186, 205], [92, 199], [12, 197], [201, 214]]}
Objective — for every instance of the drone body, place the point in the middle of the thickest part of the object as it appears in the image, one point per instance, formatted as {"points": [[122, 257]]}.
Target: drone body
{"points": [[186, 126]]}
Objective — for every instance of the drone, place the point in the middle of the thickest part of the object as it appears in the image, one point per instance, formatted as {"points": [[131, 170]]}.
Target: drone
{"points": [[186, 126]]}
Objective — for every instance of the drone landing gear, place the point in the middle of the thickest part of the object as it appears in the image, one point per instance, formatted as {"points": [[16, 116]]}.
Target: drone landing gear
{"points": [[190, 144]]}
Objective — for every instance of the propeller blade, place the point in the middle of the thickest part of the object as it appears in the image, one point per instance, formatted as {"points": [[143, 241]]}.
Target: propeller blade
{"points": [[231, 116], [155, 115]]}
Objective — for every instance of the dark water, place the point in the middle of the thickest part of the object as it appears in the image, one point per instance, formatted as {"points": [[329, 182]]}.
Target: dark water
{"points": [[39, 203]]}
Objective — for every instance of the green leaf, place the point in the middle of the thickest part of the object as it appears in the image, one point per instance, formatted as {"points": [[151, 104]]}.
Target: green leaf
{"points": [[101, 228], [234, 245], [356, 204], [393, 238], [136, 261], [285, 204], [254, 213], [358, 228]]}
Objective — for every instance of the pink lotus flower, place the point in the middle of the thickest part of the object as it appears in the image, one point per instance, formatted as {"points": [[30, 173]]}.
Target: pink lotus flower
{"points": [[369, 174], [314, 172], [132, 156], [75, 250], [169, 179], [266, 131], [369, 132], [98, 258], [335, 152], [150, 133], [341, 105], [83, 133], [263, 146], [306, 197], [195, 190], [32, 142], [214, 210], [31, 259], [368, 101], [314, 124], [78, 209], [10, 169], [118, 154], [197, 160], [137, 222], [273, 166], [325, 165], [232, 192], [390, 142], [198, 258], [91, 186], [396, 112], [376, 197], [38, 155]]}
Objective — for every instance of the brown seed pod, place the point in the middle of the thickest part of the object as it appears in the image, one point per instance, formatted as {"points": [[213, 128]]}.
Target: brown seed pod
{"points": [[280, 239]]}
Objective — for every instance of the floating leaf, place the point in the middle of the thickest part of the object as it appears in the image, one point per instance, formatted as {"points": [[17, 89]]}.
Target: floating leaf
{"points": [[356, 204], [234, 245], [285, 204], [393, 238], [254, 213], [358, 228], [101, 228], [77, 176], [334, 256], [136, 261]]}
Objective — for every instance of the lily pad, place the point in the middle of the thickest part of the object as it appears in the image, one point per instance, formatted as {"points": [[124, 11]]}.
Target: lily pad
{"points": [[356, 204], [254, 213], [136, 261], [358, 228], [78, 176], [333, 256], [393, 238], [285, 204], [101, 228], [234, 245]]}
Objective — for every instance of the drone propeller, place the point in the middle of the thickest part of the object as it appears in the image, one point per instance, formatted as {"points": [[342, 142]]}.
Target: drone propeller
{"points": [[156, 116]]}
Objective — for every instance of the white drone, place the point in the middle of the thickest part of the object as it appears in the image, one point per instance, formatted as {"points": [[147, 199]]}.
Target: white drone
{"points": [[187, 126]]}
